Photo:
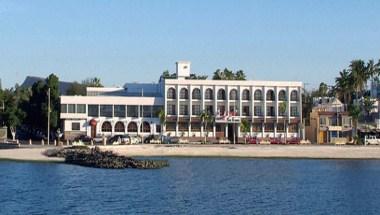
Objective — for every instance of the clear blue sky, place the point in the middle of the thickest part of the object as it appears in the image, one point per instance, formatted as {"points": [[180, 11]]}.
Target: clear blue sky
{"points": [[135, 40]]}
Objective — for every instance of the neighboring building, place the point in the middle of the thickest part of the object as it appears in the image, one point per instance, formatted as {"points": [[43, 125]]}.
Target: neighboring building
{"points": [[134, 108], [329, 122]]}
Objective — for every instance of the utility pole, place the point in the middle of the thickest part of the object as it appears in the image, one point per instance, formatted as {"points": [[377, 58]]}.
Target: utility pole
{"points": [[48, 125]]}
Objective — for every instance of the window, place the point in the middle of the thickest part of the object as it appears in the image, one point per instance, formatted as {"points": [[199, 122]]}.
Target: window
{"points": [[245, 110], [208, 94], [184, 94], [196, 93], [119, 127], [234, 95], [75, 126], [269, 127], [221, 110], [156, 110], [132, 127], [293, 128], [183, 126], [210, 109], [171, 93], [132, 111], [270, 95], [322, 121], [294, 95], [183, 110], [170, 126], [63, 108], [234, 110], [257, 127], [282, 95], [196, 109], [81, 108], [145, 127], [258, 95], [106, 110], [93, 110], [258, 111], [282, 109], [280, 127], [293, 111], [196, 126], [119, 111], [270, 111], [106, 127], [221, 94], [245, 95], [346, 121], [158, 128], [171, 110], [71, 108], [146, 111]]}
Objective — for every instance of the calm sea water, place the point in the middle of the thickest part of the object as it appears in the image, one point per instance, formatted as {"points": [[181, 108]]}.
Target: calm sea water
{"points": [[194, 186]]}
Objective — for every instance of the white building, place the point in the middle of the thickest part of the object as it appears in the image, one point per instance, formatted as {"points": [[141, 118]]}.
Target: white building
{"points": [[134, 108]]}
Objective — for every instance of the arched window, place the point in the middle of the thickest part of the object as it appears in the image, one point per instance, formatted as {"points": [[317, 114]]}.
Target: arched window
{"points": [[234, 95], [119, 127], [132, 127], [270, 95], [171, 93], [258, 95], [245, 95], [208, 94], [282, 95], [221, 94], [294, 95], [196, 93], [106, 127], [145, 127], [184, 94]]}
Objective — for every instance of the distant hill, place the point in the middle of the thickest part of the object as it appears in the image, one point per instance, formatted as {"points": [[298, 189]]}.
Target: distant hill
{"points": [[30, 80]]}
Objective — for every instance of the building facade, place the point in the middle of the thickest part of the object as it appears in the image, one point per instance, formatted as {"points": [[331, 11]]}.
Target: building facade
{"points": [[329, 122], [134, 109]]}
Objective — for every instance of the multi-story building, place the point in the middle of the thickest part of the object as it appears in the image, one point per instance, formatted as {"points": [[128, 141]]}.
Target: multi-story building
{"points": [[134, 108], [329, 122]]}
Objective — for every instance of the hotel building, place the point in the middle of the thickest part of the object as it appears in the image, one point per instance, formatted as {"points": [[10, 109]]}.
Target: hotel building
{"points": [[133, 109]]}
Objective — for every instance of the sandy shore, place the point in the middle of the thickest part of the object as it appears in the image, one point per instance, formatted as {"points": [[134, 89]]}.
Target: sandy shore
{"points": [[28, 154], [251, 151], [34, 153]]}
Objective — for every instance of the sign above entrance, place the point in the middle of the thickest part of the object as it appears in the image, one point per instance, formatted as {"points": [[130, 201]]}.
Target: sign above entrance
{"points": [[227, 119]]}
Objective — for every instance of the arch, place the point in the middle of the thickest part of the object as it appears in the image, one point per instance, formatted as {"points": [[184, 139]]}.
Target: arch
{"points": [[145, 127], [106, 127], [270, 95], [184, 93], [282, 95], [258, 95], [234, 95], [245, 95], [294, 95], [132, 127], [119, 127], [171, 93], [196, 93], [221, 94], [208, 94]]}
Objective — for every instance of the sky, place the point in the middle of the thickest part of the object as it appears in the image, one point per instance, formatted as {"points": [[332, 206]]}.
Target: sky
{"points": [[135, 40]]}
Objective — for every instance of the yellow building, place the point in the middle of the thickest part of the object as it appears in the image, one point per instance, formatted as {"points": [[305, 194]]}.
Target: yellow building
{"points": [[329, 123]]}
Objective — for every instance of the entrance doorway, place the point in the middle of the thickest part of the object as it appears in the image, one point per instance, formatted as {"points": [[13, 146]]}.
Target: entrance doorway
{"points": [[232, 132]]}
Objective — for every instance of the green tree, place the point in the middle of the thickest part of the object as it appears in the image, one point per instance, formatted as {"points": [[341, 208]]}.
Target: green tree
{"points": [[197, 77], [323, 89], [354, 111], [162, 116], [76, 89], [92, 82], [359, 75], [245, 128], [344, 86], [368, 104], [227, 74], [206, 118]]}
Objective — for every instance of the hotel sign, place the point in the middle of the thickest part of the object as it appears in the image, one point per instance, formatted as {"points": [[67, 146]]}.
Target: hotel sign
{"points": [[227, 119]]}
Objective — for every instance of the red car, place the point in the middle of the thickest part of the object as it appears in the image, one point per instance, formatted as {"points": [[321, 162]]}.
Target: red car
{"points": [[252, 140]]}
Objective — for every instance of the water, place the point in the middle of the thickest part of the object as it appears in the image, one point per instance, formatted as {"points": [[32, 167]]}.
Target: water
{"points": [[194, 186]]}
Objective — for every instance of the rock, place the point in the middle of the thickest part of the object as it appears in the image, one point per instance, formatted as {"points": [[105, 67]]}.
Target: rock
{"points": [[94, 157]]}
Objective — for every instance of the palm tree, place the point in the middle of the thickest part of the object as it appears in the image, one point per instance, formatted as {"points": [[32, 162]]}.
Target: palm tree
{"points": [[343, 86], [359, 76], [282, 110], [244, 127], [162, 117], [368, 105], [206, 118], [354, 111]]}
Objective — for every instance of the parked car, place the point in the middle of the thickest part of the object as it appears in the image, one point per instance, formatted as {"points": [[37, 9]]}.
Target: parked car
{"points": [[135, 139], [83, 138], [372, 140], [152, 139], [252, 140], [119, 139]]}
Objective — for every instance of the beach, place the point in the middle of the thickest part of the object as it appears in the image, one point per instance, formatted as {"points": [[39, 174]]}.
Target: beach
{"points": [[35, 153]]}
